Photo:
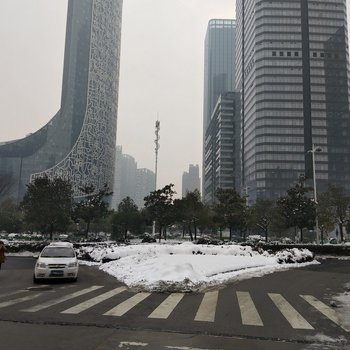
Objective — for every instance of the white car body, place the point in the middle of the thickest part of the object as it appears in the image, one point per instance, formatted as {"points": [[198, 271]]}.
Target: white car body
{"points": [[56, 261]]}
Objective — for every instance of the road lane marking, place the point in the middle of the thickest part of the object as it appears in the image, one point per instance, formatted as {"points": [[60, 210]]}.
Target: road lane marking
{"points": [[49, 303], [127, 305], [187, 348], [164, 310], [292, 316], [94, 301], [127, 344], [19, 300], [207, 308], [325, 310], [4, 295], [249, 313]]}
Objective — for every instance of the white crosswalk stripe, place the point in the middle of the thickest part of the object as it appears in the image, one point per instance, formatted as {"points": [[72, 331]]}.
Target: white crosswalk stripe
{"points": [[61, 300], [326, 311], [249, 313], [207, 309], [127, 305], [94, 301], [206, 312], [292, 316], [164, 310], [18, 300]]}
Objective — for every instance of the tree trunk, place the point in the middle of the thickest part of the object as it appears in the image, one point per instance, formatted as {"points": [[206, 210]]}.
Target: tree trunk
{"points": [[230, 233], [301, 235], [266, 233], [195, 229], [164, 232], [51, 231], [190, 232], [87, 229], [125, 233], [341, 232]]}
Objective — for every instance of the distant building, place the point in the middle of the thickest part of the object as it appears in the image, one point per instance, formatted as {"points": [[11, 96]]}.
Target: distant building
{"points": [[191, 180], [219, 82], [116, 196], [129, 181], [222, 147], [145, 180], [219, 63], [219, 70], [78, 143]]}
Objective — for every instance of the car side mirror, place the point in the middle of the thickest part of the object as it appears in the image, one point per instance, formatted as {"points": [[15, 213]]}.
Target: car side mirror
{"points": [[35, 256]]}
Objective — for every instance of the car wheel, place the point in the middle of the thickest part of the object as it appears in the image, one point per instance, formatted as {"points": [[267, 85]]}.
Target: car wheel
{"points": [[35, 280]]}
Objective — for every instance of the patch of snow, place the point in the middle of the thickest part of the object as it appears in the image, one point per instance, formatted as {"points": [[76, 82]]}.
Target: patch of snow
{"points": [[187, 267], [343, 306]]}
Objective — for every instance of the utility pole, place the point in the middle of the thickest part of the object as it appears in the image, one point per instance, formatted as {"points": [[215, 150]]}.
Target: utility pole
{"points": [[156, 141]]}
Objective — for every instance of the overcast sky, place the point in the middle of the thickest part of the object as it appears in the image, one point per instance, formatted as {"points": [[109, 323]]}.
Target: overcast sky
{"points": [[161, 75]]}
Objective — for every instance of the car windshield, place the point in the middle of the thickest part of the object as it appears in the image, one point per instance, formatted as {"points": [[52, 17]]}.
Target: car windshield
{"points": [[58, 252]]}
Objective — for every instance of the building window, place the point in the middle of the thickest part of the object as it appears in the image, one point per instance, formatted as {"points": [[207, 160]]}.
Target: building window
{"points": [[296, 54], [274, 53], [281, 53]]}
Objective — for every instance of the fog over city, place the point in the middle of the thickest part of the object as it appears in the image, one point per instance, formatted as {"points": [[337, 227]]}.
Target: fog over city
{"points": [[161, 75]]}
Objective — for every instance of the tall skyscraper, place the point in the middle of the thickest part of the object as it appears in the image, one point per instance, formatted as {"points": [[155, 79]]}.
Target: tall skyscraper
{"points": [[78, 143], [191, 180], [293, 75], [219, 70]]}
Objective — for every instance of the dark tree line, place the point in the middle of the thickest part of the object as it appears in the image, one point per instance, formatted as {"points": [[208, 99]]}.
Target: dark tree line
{"points": [[48, 207]]}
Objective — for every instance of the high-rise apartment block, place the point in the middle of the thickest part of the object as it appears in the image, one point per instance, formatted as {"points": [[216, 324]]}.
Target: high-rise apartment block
{"points": [[191, 180], [78, 143], [293, 74], [219, 78]]}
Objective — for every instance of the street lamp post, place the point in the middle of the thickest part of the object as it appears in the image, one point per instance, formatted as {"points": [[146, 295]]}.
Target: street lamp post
{"points": [[313, 150]]}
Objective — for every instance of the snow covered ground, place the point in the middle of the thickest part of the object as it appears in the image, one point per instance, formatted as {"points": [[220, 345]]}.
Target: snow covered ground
{"points": [[187, 267]]}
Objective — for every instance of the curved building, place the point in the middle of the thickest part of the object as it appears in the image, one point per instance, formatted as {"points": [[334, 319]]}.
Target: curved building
{"points": [[78, 143]]}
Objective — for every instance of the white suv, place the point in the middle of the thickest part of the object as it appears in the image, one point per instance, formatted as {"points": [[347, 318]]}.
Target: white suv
{"points": [[57, 260]]}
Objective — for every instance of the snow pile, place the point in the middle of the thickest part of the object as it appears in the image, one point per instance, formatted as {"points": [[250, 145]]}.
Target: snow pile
{"points": [[292, 256], [187, 267]]}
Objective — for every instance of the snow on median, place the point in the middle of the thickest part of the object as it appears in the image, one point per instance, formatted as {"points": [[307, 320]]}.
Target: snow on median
{"points": [[187, 267]]}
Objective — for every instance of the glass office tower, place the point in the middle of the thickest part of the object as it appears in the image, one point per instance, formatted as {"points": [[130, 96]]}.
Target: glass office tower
{"points": [[219, 70], [293, 75], [78, 143]]}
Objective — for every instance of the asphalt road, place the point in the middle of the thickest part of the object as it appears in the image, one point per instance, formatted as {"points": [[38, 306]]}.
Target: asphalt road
{"points": [[279, 311]]}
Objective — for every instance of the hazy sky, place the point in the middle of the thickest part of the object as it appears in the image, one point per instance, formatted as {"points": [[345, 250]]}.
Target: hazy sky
{"points": [[162, 67]]}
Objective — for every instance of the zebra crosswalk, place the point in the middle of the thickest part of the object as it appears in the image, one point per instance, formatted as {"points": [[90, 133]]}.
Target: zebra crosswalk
{"points": [[121, 301]]}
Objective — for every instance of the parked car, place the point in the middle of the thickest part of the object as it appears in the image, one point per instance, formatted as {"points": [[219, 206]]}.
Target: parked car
{"points": [[56, 261]]}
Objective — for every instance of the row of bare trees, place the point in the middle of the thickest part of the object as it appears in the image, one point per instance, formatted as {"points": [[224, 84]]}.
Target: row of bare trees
{"points": [[48, 206]]}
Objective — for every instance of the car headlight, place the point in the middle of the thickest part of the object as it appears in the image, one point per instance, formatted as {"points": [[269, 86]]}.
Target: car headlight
{"points": [[73, 264], [41, 265]]}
